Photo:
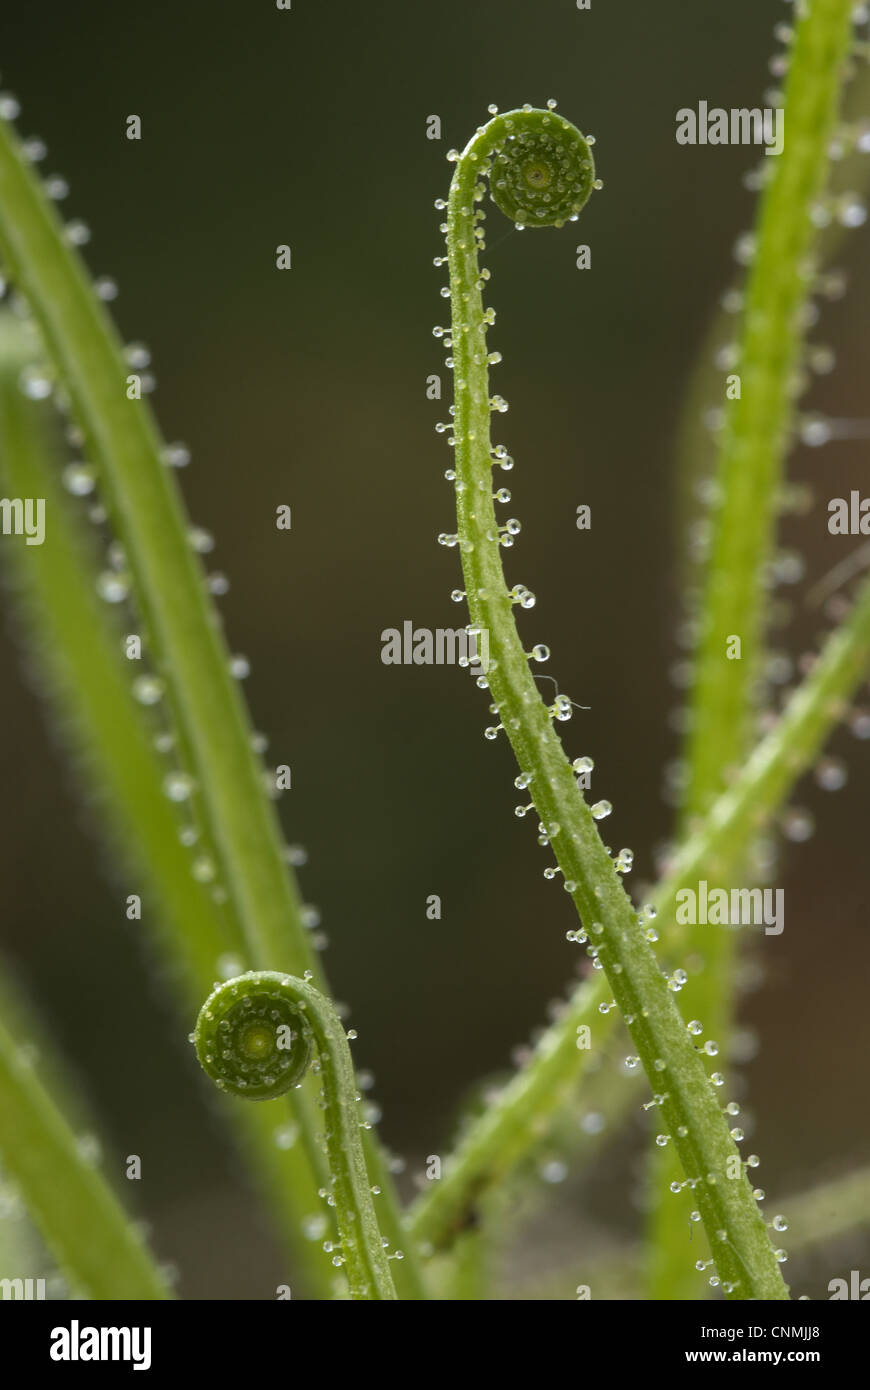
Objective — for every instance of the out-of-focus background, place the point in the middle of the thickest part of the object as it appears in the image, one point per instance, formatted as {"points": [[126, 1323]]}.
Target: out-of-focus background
{"points": [[307, 387]]}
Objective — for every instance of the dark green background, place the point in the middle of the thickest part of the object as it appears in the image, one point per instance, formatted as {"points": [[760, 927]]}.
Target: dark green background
{"points": [[263, 127]]}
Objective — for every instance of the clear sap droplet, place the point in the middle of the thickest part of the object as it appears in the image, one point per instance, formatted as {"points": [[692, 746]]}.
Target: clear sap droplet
{"points": [[79, 479], [202, 541], [56, 188], [218, 584], [117, 556], [284, 1138], [593, 1122], [563, 709], [798, 825], [831, 774], [35, 384], [178, 786], [148, 689], [315, 1227], [601, 809], [852, 212], [203, 869], [555, 1171], [112, 587], [89, 1149], [176, 455], [77, 233], [137, 354], [859, 723]]}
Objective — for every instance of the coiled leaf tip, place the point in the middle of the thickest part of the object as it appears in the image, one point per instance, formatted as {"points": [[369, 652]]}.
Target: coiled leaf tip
{"points": [[251, 1038], [542, 172]]}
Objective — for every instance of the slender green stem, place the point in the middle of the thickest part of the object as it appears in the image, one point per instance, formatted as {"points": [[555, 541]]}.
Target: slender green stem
{"points": [[146, 513], [179, 623], [493, 1143], [468, 1275], [777, 762], [697, 448], [682, 1088], [97, 1247], [758, 422], [78, 643], [828, 1211], [815, 1218], [511, 1126], [253, 1037], [756, 439]]}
